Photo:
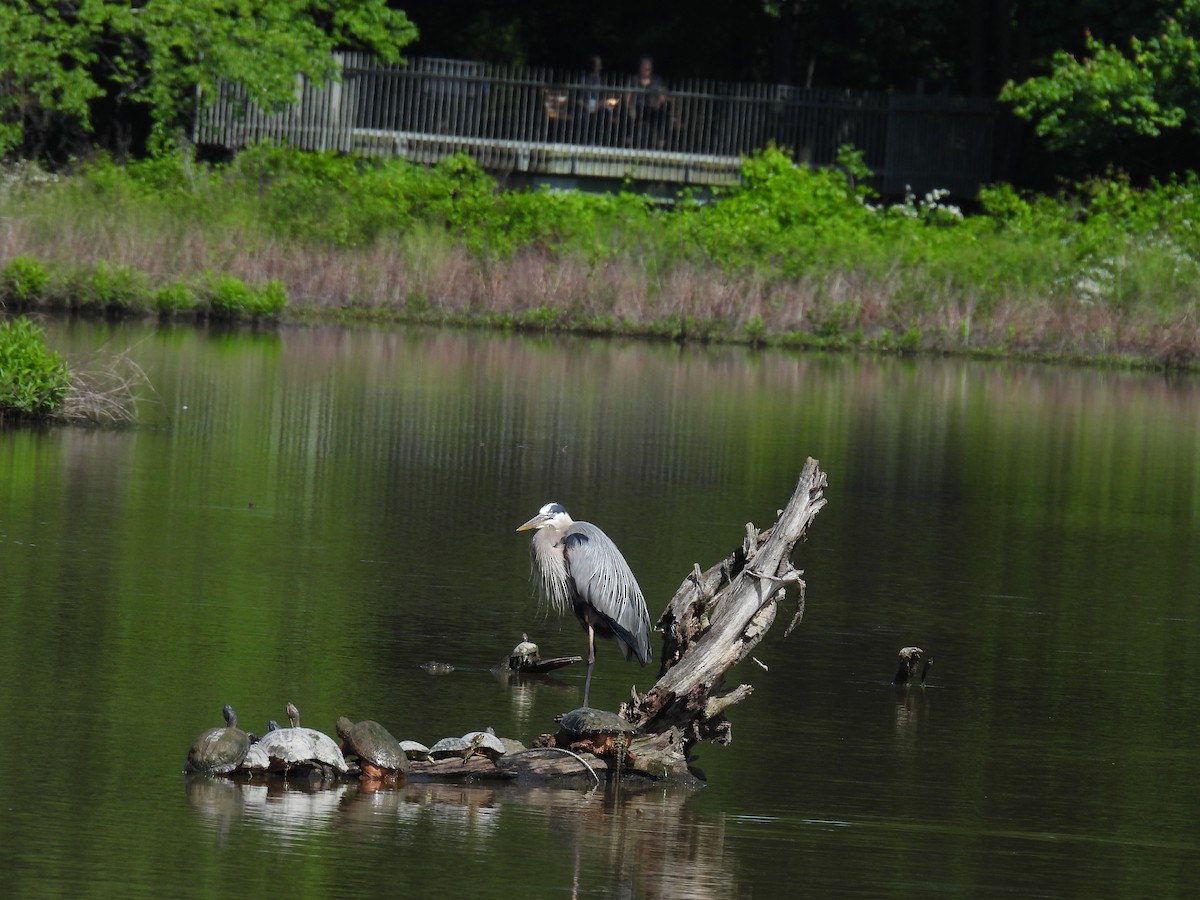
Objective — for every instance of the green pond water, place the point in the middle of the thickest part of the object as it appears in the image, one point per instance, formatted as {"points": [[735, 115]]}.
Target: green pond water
{"points": [[309, 514]]}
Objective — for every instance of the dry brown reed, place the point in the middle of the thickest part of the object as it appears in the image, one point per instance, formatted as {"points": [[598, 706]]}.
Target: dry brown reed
{"points": [[104, 391]]}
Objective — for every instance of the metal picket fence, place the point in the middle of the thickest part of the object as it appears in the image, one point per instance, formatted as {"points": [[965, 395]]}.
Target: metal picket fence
{"points": [[693, 131]]}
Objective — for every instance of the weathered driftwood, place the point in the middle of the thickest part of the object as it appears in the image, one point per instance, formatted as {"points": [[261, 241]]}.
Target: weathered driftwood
{"points": [[714, 621]]}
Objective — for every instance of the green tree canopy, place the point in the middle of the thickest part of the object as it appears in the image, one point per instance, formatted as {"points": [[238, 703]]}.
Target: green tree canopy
{"points": [[1112, 97], [59, 58]]}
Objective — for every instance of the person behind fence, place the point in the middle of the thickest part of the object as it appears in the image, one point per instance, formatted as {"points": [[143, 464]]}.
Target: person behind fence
{"points": [[646, 105], [593, 97]]}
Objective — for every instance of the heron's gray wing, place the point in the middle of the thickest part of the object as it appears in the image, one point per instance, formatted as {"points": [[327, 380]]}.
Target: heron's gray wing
{"points": [[605, 582]]}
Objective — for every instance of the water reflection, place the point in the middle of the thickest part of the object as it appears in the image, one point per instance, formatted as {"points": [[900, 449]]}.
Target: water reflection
{"points": [[464, 811], [647, 840], [524, 691], [290, 810], [912, 711], [1036, 528]]}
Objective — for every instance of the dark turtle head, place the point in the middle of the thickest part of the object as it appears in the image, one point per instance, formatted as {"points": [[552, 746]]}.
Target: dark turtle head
{"points": [[344, 727], [272, 726], [293, 715], [230, 716]]}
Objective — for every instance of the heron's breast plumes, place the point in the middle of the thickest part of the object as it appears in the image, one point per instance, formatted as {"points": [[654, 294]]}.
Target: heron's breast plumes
{"points": [[550, 570]]}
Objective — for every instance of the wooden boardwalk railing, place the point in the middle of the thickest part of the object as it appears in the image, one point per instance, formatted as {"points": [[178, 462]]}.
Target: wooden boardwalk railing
{"points": [[541, 121]]}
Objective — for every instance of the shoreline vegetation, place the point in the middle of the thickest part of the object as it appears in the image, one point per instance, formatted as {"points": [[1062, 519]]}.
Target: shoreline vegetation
{"points": [[1104, 273]]}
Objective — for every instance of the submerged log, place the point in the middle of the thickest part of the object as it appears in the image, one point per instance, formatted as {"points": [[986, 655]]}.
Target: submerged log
{"points": [[716, 618]]}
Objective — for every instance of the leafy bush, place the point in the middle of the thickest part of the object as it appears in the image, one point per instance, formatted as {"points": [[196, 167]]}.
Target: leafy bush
{"points": [[230, 297], [33, 379], [23, 280], [226, 296], [267, 300], [174, 298], [99, 287], [115, 288]]}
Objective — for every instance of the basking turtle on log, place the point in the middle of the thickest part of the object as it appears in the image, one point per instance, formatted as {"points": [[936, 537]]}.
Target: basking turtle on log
{"points": [[594, 731], [219, 750], [526, 659], [578, 567], [379, 754], [525, 654], [302, 750]]}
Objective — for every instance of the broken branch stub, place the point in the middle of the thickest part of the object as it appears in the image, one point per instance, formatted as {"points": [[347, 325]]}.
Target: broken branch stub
{"points": [[711, 624]]}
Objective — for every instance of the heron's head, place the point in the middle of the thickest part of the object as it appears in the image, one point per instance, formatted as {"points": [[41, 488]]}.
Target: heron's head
{"points": [[552, 515]]}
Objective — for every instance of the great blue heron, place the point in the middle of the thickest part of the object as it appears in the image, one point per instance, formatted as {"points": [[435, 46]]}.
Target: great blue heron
{"points": [[578, 567]]}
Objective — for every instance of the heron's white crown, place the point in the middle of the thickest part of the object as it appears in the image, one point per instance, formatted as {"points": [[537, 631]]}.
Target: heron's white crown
{"points": [[552, 514]]}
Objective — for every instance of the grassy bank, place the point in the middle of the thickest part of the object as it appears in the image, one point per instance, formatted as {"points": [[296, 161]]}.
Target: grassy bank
{"points": [[791, 256]]}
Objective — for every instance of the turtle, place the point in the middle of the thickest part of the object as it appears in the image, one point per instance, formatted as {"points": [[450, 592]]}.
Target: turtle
{"points": [[303, 749], [595, 731], [485, 743], [451, 747], [415, 750], [524, 654], [433, 667], [379, 754], [219, 750]]}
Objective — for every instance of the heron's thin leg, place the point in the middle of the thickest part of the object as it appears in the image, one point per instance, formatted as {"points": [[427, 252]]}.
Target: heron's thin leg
{"points": [[587, 684]]}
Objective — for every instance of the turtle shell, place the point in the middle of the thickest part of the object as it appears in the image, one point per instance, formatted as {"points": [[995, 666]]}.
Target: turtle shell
{"points": [[256, 759], [415, 750], [449, 746], [588, 721], [486, 743], [524, 654], [297, 747], [373, 744], [219, 750]]}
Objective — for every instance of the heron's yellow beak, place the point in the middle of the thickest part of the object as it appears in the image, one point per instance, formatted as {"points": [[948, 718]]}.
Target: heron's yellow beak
{"points": [[533, 523]]}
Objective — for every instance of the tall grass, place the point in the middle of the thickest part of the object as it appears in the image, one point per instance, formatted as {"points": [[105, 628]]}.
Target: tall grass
{"points": [[791, 255]]}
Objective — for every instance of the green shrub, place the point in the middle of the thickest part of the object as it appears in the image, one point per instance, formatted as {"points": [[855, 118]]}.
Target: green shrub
{"points": [[114, 288], [267, 300], [226, 296], [230, 297], [33, 379], [23, 281], [174, 298]]}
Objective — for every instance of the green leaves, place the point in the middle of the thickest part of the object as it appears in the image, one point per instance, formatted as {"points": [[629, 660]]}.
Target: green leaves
{"points": [[55, 59], [45, 67], [23, 280], [1086, 105], [33, 379]]}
